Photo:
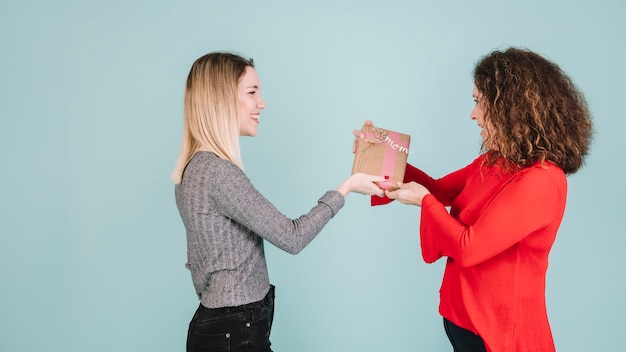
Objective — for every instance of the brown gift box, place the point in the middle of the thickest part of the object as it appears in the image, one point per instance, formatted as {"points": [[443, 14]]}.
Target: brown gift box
{"points": [[382, 152]]}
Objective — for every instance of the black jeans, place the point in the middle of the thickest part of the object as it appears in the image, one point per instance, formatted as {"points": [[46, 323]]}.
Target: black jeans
{"points": [[463, 340], [242, 328]]}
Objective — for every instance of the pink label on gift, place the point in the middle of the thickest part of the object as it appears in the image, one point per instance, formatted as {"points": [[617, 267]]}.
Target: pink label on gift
{"points": [[393, 146]]}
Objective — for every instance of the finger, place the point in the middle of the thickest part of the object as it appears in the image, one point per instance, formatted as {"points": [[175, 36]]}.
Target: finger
{"points": [[378, 178], [377, 191], [358, 134]]}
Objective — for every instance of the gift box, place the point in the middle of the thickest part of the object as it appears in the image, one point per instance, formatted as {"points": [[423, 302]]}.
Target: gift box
{"points": [[382, 152]]}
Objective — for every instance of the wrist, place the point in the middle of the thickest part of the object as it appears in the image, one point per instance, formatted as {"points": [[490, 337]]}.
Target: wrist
{"points": [[344, 188]]}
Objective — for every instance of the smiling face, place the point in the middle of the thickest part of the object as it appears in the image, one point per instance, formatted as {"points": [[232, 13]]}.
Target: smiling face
{"points": [[478, 114], [249, 102]]}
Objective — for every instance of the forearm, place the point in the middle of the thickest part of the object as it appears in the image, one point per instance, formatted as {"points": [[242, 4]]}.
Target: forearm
{"points": [[445, 189]]}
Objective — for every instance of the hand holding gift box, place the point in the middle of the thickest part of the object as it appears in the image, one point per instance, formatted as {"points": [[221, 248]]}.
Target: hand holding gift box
{"points": [[382, 152]]}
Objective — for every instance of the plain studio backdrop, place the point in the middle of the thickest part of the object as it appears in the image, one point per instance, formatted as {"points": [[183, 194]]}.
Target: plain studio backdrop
{"points": [[92, 249]]}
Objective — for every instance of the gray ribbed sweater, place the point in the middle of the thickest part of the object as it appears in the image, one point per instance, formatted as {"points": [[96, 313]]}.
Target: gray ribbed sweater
{"points": [[226, 220]]}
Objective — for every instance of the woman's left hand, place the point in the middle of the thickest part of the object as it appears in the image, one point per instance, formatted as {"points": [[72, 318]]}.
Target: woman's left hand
{"points": [[362, 183], [408, 193]]}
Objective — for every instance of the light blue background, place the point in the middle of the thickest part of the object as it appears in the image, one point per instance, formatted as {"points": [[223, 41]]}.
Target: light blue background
{"points": [[92, 250]]}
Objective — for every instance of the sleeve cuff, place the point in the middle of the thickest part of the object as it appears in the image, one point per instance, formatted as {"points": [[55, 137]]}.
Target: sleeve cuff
{"points": [[376, 200]]}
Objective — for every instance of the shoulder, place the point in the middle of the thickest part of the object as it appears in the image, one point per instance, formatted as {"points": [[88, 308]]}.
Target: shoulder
{"points": [[479, 160], [546, 170], [204, 164], [544, 176], [477, 163]]}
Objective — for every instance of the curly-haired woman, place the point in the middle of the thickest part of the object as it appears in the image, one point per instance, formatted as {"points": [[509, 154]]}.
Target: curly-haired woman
{"points": [[506, 206]]}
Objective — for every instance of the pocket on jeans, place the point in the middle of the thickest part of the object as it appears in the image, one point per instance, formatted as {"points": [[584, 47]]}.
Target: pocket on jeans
{"points": [[259, 331], [200, 342], [213, 333], [211, 324]]}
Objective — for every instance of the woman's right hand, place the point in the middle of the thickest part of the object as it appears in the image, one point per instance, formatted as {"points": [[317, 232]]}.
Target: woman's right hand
{"points": [[362, 183], [409, 193]]}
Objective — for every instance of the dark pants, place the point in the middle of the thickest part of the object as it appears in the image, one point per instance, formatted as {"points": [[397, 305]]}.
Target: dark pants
{"points": [[243, 328], [463, 340]]}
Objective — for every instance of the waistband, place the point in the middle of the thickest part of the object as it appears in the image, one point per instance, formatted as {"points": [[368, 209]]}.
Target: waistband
{"points": [[266, 301]]}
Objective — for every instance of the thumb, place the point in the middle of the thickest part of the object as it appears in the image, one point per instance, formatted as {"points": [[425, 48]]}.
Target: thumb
{"points": [[380, 178]]}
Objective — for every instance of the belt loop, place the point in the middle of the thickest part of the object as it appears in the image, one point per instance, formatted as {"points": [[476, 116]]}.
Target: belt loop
{"points": [[248, 312]]}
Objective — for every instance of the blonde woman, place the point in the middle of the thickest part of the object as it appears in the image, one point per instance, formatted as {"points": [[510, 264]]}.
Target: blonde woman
{"points": [[226, 219]]}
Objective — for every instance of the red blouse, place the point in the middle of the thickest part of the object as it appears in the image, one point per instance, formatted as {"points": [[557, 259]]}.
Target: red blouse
{"points": [[496, 237]]}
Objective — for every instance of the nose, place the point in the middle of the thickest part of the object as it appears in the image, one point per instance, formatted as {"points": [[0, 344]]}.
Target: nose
{"points": [[476, 112], [261, 103]]}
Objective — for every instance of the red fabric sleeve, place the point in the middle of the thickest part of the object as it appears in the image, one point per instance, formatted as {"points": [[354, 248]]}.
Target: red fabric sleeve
{"points": [[444, 189], [527, 203]]}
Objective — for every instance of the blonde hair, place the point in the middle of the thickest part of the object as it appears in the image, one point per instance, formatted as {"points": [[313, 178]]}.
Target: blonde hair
{"points": [[210, 109]]}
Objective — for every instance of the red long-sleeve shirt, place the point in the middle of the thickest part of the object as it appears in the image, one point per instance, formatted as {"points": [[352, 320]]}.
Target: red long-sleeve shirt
{"points": [[496, 237]]}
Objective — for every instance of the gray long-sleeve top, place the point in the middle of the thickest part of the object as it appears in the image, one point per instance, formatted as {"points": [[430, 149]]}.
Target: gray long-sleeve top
{"points": [[226, 220]]}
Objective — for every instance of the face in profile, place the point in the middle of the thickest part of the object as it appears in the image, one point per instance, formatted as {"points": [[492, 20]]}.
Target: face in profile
{"points": [[478, 114], [250, 102]]}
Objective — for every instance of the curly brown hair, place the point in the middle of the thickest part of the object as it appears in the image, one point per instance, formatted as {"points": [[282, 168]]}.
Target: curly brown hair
{"points": [[535, 109]]}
